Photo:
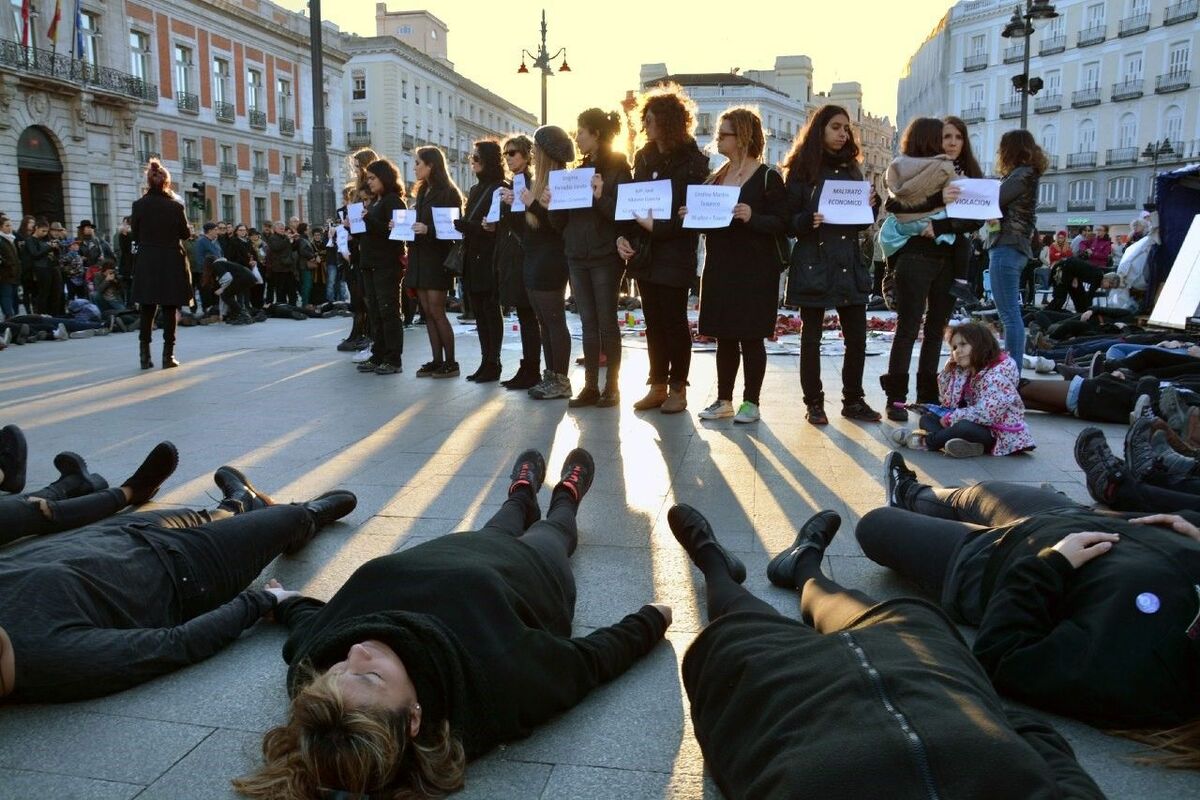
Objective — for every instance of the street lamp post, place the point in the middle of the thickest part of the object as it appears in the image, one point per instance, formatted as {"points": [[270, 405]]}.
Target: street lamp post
{"points": [[1021, 27], [320, 190], [1155, 151], [542, 61]]}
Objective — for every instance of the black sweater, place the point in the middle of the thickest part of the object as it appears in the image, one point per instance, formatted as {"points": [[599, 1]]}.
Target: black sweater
{"points": [[493, 655]]}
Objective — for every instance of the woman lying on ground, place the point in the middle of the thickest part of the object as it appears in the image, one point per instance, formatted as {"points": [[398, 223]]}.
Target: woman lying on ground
{"points": [[861, 699], [398, 680]]}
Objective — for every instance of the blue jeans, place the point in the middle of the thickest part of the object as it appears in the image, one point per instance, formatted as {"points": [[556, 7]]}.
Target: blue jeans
{"points": [[8, 299], [1006, 264], [335, 284]]}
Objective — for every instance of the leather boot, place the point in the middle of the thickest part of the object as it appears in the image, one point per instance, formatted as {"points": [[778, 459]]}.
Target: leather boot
{"points": [[144, 352], [526, 378], [653, 399], [676, 400], [168, 355]]}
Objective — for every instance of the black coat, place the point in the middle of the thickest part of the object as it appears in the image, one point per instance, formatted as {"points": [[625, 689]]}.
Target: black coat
{"points": [[427, 253], [376, 250], [479, 256], [10, 262], [510, 257], [494, 656], [739, 292], [590, 234], [545, 265], [827, 267], [281, 255], [782, 711], [159, 228], [240, 251], [673, 248]]}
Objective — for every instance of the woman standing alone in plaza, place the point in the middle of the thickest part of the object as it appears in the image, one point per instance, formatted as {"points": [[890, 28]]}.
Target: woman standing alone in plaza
{"points": [[159, 227]]}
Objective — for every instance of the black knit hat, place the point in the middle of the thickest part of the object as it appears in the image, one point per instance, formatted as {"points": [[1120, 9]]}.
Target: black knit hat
{"points": [[555, 143]]}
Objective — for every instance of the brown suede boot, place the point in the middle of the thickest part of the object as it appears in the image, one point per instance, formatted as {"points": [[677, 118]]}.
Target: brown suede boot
{"points": [[677, 399], [653, 399]]}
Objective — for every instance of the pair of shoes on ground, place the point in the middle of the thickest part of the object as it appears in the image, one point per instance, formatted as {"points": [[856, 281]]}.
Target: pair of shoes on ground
{"points": [[955, 448], [668, 398], [593, 396], [553, 386], [438, 369], [723, 409], [74, 480], [578, 471], [858, 410]]}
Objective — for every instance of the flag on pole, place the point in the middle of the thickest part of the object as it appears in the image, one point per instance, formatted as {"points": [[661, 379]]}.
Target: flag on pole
{"points": [[78, 49], [52, 31], [25, 4]]}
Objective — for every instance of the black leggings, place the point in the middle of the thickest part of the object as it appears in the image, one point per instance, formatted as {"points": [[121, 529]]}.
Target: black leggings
{"points": [[668, 335], [21, 516], [731, 353], [531, 337], [556, 338], [169, 321], [553, 538], [489, 324]]}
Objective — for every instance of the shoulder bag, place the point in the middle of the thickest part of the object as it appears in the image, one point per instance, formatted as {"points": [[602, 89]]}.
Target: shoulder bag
{"points": [[781, 242], [454, 262]]}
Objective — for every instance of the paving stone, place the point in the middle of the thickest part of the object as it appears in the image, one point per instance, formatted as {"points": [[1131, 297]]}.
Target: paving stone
{"points": [[17, 784], [591, 783]]}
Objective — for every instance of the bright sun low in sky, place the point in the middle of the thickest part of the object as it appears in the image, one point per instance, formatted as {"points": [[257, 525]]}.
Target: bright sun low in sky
{"points": [[868, 41]]}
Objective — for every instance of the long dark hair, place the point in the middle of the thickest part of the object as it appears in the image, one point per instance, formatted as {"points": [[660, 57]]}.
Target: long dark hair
{"points": [[492, 167], [967, 163], [439, 179], [1019, 149], [388, 175], [922, 138], [672, 110], [984, 347], [808, 148]]}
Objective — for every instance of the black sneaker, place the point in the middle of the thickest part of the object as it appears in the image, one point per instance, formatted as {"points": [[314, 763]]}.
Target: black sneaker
{"points": [[428, 368], [859, 410], [13, 455], [370, 365], [816, 534], [388, 369], [896, 478], [577, 472], [447, 370], [896, 411], [1103, 471], [529, 470], [692, 531], [588, 396]]}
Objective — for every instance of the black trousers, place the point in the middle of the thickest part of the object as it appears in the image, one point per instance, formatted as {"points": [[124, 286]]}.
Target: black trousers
{"points": [[49, 299], [552, 320], [282, 287], [20, 516], [730, 354], [489, 325], [853, 320], [937, 436], [668, 336], [170, 321], [531, 337], [1069, 271], [922, 289], [553, 538], [383, 309]]}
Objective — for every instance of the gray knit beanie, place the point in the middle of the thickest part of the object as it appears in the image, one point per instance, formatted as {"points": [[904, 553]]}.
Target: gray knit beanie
{"points": [[555, 143]]}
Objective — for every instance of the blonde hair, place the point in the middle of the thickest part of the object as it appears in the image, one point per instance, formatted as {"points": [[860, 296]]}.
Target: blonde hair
{"points": [[1174, 748], [326, 746], [542, 165], [747, 129]]}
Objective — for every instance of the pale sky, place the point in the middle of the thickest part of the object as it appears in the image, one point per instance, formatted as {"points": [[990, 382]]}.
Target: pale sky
{"points": [[868, 41]]}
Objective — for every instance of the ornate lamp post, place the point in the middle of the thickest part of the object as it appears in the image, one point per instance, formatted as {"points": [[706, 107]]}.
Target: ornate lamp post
{"points": [[1021, 26], [1155, 151], [542, 61]]}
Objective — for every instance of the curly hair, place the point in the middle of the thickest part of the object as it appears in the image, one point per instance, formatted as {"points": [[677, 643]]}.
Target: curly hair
{"points": [[674, 115], [327, 746], [747, 129], [985, 349], [1019, 149]]}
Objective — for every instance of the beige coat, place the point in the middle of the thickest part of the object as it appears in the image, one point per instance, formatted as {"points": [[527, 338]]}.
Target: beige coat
{"points": [[912, 180]]}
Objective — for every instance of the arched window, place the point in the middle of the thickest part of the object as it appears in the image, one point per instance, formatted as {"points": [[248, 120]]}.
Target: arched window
{"points": [[1173, 124], [1050, 139], [1122, 193], [1127, 131], [1081, 195], [1085, 137]]}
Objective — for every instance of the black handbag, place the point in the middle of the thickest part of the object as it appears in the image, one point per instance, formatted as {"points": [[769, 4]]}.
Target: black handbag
{"points": [[783, 245], [454, 259]]}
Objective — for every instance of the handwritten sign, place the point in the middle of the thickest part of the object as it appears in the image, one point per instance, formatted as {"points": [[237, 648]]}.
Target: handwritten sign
{"points": [[443, 222], [571, 188], [980, 199], [518, 186], [493, 214], [402, 222], [846, 203], [710, 206], [644, 197], [355, 212]]}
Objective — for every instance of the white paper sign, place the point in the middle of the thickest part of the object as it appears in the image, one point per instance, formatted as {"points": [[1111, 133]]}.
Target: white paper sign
{"points": [[402, 222], [571, 188], [443, 222], [355, 211], [493, 214], [711, 206], [980, 199], [518, 186], [846, 203], [639, 199]]}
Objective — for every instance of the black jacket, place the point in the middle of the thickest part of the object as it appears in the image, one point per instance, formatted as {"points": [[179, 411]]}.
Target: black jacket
{"points": [[376, 250], [123, 244], [38, 252], [494, 656], [240, 251], [827, 267], [159, 228], [93, 249], [10, 262], [510, 257], [1076, 642], [545, 265], [479, 272], [281, 256], [782, 711], [673, 247], [1018, 200], [590, 234], [427, 253]]}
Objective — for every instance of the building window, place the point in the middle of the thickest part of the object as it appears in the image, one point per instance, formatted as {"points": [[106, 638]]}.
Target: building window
{"points": [[89, 32], [1085, 137], [1089, 75], [1094, 16], [1047, 195], [360, 126], [100, 210], [1173, 125], [440, 104], [189, 149], [1127, 131], [360, 88], [139, 55], [220, 80], [1122, 190], [1053, 83], [287, 167], [1082, 192], [183, 70], [228, 213], [1132, 67], [975, 96], [147, 145], [417, 93], [404, 89], [289, 208], [260, 159], [1179, 58], [226, 154], [285, 96], [1050, 140], [260, 213], [978, 45], [428, 95], [254, 89]]}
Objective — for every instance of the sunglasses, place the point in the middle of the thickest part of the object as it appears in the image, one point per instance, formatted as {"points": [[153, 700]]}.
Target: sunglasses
{"points": [[511, 153]]}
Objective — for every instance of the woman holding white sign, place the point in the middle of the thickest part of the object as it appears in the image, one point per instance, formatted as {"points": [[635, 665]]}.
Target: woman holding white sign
{"points": [[479, 274], [427, 272], [379, 258], [740, 287], [827, 265], [510, 265]]}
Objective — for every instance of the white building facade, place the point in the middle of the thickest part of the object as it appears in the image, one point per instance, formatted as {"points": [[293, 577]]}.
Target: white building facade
{"points": [[1118, 76]]}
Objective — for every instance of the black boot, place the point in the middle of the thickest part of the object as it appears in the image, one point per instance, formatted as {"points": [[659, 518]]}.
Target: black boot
{"points": [[158, 466], [526, 378], [74, 480], [168, 356], [13, 454], [896, 392], [489, 372], [814, 535], [693, 532], [144, 351], [240, 495], [332, 506]]}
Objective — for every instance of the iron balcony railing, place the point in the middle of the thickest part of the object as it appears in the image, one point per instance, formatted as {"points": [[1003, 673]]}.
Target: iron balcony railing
{"points": [[1120, 204], [1014, 53], [1093, 35], [354, 140], [1173, 82], [1128, 90], [146, 155], [1047, 206], [1181, 12], [287, 127], [974, 114], [1053, 45], [48, 64], [225, 111], [186, 101], [1081, 205], [1051, 162], [1138, 23], [229, 170], [261, 175], [1121, 155], [1010, 110], [975, 62], [191, 164], [1076, 160], [289, 179], [1086, 97], [258, 119], [1051, 102]]}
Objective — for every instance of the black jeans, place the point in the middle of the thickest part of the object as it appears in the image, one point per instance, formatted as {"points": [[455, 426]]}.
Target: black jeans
{"points": [[383, 309], [489, 325], [922, 288], [552, 319], [20, 516], [234, 295], [49, 299], [668, 336], [595, 285], [854, 332], [937, 436], [170, 320], [553, 538], [731, 353]]}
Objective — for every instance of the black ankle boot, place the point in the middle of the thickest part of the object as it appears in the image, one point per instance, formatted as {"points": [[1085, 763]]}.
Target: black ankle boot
{"points": [[13, 455], [168, 355], [144, 351], [240, 495], [489, 372], [526, 378], [158, 466]]}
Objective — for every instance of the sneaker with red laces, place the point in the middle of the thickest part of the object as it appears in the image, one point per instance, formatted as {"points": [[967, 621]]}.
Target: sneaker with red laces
{"points": [[577, 472], [529, 470]]}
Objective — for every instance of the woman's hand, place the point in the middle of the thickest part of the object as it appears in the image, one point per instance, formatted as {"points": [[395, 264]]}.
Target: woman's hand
{"points": [[647, 221], [624, 249], [546, 197], [1080, 548], [597, 186], [742, 211], [488, 226], [818, 220], [420, 228], [665, 610], [276, 589], [526, 197], [1172, 521], [927, 232], [682, 212], [506, 196], [950, 193], [391, 224]]}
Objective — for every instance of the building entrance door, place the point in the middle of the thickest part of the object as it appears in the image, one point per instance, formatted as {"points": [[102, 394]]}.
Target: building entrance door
{"points": [[40, 170]]}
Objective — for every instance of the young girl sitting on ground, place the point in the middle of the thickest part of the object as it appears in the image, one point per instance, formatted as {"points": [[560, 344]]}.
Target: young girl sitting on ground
{"points": [[980, 409]]}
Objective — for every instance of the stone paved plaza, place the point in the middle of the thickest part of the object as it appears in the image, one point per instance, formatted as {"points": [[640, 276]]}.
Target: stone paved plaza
{"points": [[428, 457]]}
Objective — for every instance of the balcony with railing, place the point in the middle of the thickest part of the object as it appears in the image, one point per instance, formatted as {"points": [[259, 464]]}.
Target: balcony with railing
{"points": [[225, 111], [1080, 160], [1045, 206], [44, 63], [1010, 110], [1014, 54], [1181, 12], [1173, 82], [1047, 104], [973, 114], [1081, 205], [191, 164], [1093, 35], [1121, 155], [1138, 23], [1055, 44], [258, 119], [289, 179], [1128, 90], [1086, 97], [187, 102], [975, 62], [228, 170], [1120, 204], [354, 139], [261, 175], [287, 127]]}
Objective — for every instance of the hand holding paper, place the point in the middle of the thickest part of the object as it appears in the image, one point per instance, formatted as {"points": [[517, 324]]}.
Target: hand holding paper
{"points": [[979, 199], [518, 189], [846, 203], [402, 224], [571, 188], [355, 212], [710, 206], [639, 199], [443, 222]]}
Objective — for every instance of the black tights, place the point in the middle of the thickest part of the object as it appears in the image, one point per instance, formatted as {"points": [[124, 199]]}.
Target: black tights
{"points": [[531, 337], [732, 352], [556, 338], [437, 324], [169, 320]]}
